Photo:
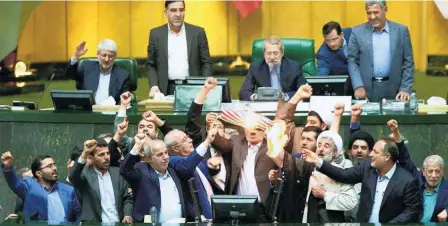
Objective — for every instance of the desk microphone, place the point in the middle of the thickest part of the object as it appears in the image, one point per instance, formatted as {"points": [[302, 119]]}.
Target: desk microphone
{"points": [[42, 94]]}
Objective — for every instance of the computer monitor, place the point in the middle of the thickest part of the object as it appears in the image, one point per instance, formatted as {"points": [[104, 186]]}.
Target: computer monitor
{"points": [[224, 82], [330, 85], [72, 100], [231, 209]]}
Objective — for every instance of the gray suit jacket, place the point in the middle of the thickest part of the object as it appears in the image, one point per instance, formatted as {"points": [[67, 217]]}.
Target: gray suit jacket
{"points": [[85, 180], [198, 54], [360, 58]]}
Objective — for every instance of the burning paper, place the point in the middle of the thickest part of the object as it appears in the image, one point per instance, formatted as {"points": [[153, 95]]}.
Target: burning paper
{"points": [[276, 137]]}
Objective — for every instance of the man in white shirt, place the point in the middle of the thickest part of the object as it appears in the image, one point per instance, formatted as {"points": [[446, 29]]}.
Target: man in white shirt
{"points": [[106, 196], [102, 77], [176, 50]]}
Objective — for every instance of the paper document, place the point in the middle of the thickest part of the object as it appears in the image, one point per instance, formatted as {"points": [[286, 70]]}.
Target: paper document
{"points": [[109, 101]]}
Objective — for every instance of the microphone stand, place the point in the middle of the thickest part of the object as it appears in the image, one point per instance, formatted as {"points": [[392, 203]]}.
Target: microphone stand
{"points": [[42, 94], [193, 193]]}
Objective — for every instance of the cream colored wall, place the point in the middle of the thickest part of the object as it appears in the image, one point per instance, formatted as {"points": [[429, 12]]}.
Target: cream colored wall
{"points": [[55, 28]]}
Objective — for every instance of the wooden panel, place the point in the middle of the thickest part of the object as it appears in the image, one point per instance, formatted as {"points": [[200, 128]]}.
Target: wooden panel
{"points": [[144, 17], [82, 25], [114, 22]]}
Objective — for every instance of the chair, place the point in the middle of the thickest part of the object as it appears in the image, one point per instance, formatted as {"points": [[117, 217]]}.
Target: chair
{"points": [[128, 64], [301, 50]]}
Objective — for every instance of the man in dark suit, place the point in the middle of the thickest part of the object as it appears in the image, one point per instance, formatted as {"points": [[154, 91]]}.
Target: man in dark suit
{"points": [[380, 58], [153, 183], [104, 78], [176, 50], [45, 199], [106, 196], [274, 71], [389, 193], [433, 187], [332, 54]]}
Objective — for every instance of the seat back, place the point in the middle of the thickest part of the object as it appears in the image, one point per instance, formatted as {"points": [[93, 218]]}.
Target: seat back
{"points": [[128, 64], [301, 50]]}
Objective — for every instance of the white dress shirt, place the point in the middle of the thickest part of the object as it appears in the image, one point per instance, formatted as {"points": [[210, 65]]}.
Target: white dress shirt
{"points": [[102, 91], [177, 54], [247, 184], [170, 207], [219, 178], [109, 212]]}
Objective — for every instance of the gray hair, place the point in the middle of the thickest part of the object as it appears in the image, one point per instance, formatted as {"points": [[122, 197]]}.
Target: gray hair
{"points": [[170, 141], [147, 150], [108, 45], [274, 40], [433, 159], [382, 3], [104, 135]]}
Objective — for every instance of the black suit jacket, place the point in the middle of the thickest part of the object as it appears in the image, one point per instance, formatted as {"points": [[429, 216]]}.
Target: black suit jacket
{"points": [[258, 76], [198, 55], [85, 180], [87, 77], [401, 201]]}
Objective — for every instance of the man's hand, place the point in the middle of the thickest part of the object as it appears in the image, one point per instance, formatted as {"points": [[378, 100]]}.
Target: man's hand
{"points": [[356, 110], [318, 191], [211, 134], [210, 83], [273, 176], [125, 98], [89, 146], [122, 128], [393, 125], [70, 164], [153, 90], [360, 93], [12, 216], [7, 160], [214, 162], [305, 91], [127, 220], [140, 140], [150, 117], [80, 50], [211, 117], [441, 217], [339, 109], [402, 96], [310, 156]]}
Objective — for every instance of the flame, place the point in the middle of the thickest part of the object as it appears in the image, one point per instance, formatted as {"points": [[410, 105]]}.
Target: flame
{"points": [[276, 137]]}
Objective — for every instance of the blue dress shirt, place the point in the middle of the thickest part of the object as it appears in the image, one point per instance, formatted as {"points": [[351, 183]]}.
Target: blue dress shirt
{"points": [[56, 212], [429, 202], [381, 51], [381, 185]]}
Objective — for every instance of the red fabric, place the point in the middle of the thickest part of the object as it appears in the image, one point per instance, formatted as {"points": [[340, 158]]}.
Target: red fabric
{"points": [[246, 7]]}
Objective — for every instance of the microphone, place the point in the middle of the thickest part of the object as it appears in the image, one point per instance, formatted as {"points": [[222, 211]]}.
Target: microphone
{"points": [[42, 94]]}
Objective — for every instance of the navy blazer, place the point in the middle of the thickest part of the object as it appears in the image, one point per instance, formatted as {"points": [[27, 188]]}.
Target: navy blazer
{"points": [[330, 62], [442, 196], [145, 186], [36, 200], [87, 77], [401, 201], [291, 77]]}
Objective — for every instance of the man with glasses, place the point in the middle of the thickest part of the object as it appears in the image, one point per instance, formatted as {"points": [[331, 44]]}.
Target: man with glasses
{"points": [[45, 199], [274, 71], [102, 77]]}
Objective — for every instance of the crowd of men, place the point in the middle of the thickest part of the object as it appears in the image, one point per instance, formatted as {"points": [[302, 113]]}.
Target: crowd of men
{"points": [[122, 178]]}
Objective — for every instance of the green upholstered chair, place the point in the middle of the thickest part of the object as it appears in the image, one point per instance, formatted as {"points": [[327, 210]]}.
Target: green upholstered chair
{"points": [[301, 50], [128, 64]]}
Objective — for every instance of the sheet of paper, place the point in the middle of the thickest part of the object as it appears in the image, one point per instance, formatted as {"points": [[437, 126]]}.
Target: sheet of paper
{"points": [[109, 101], [327, 102]]}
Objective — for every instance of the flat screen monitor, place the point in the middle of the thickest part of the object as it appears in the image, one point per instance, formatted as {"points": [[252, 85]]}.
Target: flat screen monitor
{"points": [[231, 209], [72, 100], [224, 82], [330, 85]]}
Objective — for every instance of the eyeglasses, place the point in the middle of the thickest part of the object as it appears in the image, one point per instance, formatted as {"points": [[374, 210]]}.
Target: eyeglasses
{"points": [[51, 165]]}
